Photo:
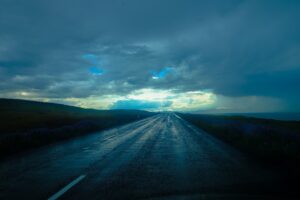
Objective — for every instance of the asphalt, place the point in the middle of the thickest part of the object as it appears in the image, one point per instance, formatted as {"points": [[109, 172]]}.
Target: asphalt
{"points": [[160, 157]]}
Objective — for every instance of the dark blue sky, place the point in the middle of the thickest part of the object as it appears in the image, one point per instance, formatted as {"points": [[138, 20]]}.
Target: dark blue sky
{"points": [[187, 55]]}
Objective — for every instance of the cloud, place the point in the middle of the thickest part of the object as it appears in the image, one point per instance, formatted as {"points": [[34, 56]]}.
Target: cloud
{"points": [[91, 58], [165, 100], [236, 49]]}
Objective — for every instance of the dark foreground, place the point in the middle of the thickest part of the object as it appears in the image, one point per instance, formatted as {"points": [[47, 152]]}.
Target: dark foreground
{"points": [[161, 157]]}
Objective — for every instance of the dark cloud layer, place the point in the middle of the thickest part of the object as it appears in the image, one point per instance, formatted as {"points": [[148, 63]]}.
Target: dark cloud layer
{"points": [[232, 48]]}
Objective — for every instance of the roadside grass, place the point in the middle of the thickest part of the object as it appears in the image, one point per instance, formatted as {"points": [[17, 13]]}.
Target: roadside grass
{"points": [[25, 125], [273, 142]]}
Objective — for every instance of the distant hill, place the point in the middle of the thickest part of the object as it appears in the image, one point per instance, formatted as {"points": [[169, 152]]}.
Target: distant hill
{"points": [[28, 124], [21, 115], [287, 116]]}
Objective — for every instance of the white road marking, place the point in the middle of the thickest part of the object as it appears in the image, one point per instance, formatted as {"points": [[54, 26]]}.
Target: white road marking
{"points": [[177, 116], [66, 188]]}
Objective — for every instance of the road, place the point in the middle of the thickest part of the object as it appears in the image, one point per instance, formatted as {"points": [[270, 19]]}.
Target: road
{"points": [[160, 157]]}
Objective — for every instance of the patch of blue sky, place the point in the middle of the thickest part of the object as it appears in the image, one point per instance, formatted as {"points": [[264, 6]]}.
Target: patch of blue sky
{"points": [[140, 104], [96, 71], [93, 60], [162, 73]]}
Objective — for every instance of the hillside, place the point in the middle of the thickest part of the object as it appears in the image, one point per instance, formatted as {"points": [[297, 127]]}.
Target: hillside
{"points": [[28, 124]]}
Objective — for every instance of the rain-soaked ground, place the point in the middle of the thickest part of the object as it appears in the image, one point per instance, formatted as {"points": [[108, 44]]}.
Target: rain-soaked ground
{"points": [[161, 157]]}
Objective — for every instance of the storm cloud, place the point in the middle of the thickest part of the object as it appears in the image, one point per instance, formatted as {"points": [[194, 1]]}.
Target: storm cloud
{"points": [[64, 50]]}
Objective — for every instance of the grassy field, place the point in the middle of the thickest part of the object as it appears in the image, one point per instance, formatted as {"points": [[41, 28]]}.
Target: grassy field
{"points": [[26, 124], [272, 142]]}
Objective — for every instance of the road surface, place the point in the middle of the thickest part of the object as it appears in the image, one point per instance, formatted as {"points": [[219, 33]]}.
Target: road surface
{"points": [[160, 157]]}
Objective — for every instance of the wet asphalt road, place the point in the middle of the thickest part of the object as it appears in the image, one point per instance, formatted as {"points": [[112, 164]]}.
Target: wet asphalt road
{"points": [[161, 157]]}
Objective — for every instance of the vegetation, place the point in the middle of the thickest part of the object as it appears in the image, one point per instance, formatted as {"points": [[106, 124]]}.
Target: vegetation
{"points": [[26, 124], [270, 141]]}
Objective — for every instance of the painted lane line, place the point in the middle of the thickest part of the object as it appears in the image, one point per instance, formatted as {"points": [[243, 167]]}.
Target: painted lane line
{"points": [[66, 188]]}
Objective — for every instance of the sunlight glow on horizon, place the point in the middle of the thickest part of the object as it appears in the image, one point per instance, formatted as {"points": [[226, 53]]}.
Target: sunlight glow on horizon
{"points": [[162, 100], [166, 100]]}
